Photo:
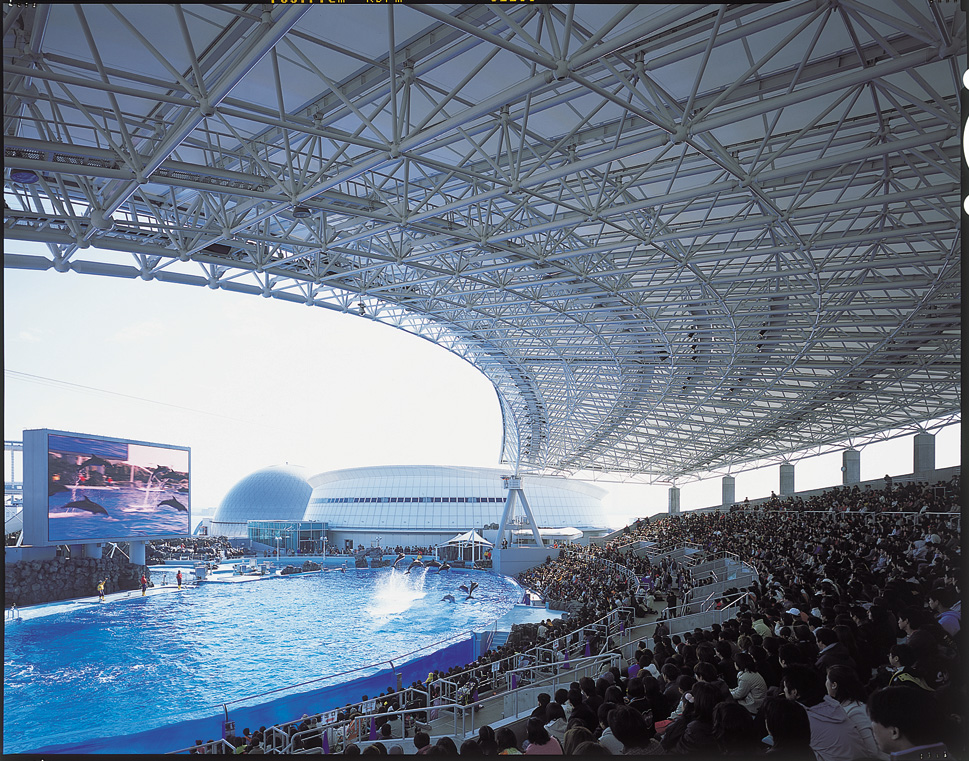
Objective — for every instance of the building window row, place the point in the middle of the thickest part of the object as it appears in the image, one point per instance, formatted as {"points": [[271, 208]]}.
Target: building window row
{"points": [[333, 500]]}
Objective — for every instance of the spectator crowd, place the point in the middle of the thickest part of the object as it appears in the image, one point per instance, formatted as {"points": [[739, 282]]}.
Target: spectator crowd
{"points": [[847, 645]]}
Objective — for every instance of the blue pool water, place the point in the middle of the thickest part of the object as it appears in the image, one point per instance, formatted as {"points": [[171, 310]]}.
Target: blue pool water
{"points": [[140, 663]]}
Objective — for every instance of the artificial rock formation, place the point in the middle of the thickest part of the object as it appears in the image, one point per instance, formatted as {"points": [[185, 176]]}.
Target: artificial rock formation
{"points": [[31, 582]]}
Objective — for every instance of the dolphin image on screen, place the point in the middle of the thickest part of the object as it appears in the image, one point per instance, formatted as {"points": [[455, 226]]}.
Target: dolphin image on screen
{"points": [[86, 504]]}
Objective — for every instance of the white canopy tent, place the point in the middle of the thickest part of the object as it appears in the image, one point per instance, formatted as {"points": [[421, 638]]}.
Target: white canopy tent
{"points": [[469, 537], [567, 534], [472, 539]]}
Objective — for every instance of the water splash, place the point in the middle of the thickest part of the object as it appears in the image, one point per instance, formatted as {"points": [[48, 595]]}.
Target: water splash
{"points": [[396, 592]]}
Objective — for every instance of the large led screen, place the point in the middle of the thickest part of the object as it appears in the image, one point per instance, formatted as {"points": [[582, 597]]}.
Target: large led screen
{"points": [[110, 489]]}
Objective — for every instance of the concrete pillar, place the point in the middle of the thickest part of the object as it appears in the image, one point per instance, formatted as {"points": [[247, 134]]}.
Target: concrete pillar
{"points": [[924, 446], [850, 466], [92, 550], [787, 480], [674, 501], [137, 553], [729, 491]]}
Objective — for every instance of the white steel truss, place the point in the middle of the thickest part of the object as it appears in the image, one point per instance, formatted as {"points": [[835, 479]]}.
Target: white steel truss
{"points": [[675, 237]]}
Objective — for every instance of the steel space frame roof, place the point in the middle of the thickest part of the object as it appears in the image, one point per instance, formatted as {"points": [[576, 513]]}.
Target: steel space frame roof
{"points": [[676, 238]]}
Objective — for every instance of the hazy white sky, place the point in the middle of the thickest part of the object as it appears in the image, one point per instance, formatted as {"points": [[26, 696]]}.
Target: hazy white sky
{"points": [[248, 382]]}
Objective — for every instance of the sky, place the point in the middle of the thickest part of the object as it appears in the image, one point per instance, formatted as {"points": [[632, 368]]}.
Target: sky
{"points": [[249, 382]]}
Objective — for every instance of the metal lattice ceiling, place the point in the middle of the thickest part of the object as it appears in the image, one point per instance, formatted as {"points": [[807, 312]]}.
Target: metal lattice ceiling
{"points": [[676, 238]]}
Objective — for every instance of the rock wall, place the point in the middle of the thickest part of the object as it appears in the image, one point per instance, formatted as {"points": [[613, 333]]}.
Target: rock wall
{"points": [[30, 582]]}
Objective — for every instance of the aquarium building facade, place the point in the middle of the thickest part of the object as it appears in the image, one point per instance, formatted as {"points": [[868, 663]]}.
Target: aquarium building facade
{"points": [[407, 505]]}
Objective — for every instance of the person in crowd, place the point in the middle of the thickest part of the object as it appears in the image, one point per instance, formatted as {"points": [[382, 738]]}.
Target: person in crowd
{"points": [[655, 699], [906, 724], [486, 739], [421, 740], [541, 709], [842, 684], [538, 741], [788, 731], [605, 736], [831, 651], [646, 663], [581, 711], [556, 723], [903, 670], [735, 731], [833, 736], [507, 742], [912, 622], [470, 747], [944, 603], [449, 746], [751, 687], [562, 698], [575, 737], [698, 737], [635, 732], [706, 672]]}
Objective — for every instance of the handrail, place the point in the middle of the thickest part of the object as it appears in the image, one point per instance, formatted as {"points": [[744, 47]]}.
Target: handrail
{"points": [[530, 674], [213, 747]]}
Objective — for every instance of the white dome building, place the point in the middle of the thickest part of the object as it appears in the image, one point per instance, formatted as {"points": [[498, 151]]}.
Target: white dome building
{"points": [[422, 505], [276, 493]]}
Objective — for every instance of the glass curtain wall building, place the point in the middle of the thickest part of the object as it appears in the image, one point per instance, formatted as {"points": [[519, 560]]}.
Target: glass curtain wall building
{"points": [[292, 537]]}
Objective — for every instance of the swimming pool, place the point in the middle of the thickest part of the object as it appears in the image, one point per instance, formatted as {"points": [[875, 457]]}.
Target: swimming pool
{"points": [[141, 663]]}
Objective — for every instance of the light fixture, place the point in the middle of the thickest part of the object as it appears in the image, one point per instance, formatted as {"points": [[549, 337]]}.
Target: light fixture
{"points": [[24, 176], [302, 212]]}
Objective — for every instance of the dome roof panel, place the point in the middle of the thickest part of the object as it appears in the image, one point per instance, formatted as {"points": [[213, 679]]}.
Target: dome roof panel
{"points": [[280, 492]]}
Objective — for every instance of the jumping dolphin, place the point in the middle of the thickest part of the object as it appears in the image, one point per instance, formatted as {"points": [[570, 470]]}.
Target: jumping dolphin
{"points": [[172, 502], [432, 563], [86, 504], [445, 566], [414, 562], [400, 556], [55, 489], [469, 589], [448, 598]]}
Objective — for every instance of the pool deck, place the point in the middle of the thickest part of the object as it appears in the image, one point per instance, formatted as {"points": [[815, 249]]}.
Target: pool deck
{"points": [[80, 603]]}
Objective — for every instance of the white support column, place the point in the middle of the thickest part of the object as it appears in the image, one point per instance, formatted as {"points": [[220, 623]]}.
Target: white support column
{"points": [[674, 501], [137, 553], [924, 450], [729, 491], [514, 486], [850, 466], [786, 480]]}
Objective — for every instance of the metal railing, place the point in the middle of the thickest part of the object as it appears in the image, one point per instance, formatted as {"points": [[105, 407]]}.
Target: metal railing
{"points": [[211, 747]]}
